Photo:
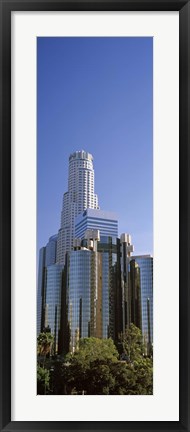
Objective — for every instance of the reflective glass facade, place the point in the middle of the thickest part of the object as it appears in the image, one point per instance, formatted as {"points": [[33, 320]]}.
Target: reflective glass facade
{"points": [[106, 222], [84, 295], [93, 291], [135, 309], [111, 292], [51, 250], [40, 293], [145, 264], [53, 289], [47, 257]]}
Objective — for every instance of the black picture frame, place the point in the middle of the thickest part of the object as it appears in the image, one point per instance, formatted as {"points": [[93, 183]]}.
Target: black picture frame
{"points": [[6, 7]]}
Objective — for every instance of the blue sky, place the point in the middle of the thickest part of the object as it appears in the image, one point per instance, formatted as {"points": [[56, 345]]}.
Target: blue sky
{"points": [[96, 94]]}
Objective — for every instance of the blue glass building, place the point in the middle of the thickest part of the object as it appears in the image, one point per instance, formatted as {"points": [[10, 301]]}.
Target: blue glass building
{"points": [[92, 284], [84, 295], [40, 291], [53, 291], [47, 257], [51, 250], [109, 247], [145, 263], [104, 221]]}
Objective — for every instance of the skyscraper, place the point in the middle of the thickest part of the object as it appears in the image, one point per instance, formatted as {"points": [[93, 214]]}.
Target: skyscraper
{"points": [[145, 264], [135, 294], [126, 249], [79, 197], [53, 290], [106, 222], [109, 247], [40, 289], [47, 257], [92, 286], [88, 282], [51, 250], [83, 291]]}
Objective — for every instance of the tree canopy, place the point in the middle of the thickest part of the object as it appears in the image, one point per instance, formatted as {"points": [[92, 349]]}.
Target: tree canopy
{"points": [[132, 344], [95, 368]]}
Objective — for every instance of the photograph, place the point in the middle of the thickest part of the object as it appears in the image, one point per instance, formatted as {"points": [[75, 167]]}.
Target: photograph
{"points": [[94, 257], [95, 216]]}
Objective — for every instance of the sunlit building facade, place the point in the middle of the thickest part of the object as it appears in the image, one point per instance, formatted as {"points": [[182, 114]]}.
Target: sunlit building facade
{"points": [[106, 222], [93, 300], [79, 197], [84, 296], [89, 284]]}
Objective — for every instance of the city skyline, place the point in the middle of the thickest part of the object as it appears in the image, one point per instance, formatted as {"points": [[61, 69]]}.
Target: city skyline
{"points": [[121, 169], [89, 284]]}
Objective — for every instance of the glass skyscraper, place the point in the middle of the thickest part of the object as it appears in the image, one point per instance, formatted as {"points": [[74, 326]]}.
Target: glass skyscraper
{"points": [[126, 248], [135, 294], [51, 250], [89, 284], [109, 247], [53, 290], [92, 285], [145, 264], [47, 257], [40, 289], [106, 222], [84, 295]]}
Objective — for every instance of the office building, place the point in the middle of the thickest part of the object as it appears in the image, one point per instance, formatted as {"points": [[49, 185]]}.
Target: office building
{"points": [[89, 284], [106, 222], [84, 292], [53, 290], [92, 286], [79, 197], [126, 249], [135, 294], [109, 247], [40, 289], [51, 248], [47, 257], [145, 264]]}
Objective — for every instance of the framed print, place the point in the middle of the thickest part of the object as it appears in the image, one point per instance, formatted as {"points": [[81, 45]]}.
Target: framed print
{"points": [[94, 215]]}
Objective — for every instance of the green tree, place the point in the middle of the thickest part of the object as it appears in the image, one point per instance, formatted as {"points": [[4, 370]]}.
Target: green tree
{"points": [[95, 369], [143, 370], [132, 343], [87, 370], [124, 378], [44, 344], [43, 380], [91, 349]]}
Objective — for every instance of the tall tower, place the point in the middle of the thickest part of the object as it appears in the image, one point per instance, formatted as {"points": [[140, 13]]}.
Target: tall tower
{"points": [[79, 197], [126, 249], [145, 264]]}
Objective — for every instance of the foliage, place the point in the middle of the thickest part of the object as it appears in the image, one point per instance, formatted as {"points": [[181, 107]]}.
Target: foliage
{"points": [[44, 341], [143, 370], [87, 370], [43, 380], [132, 343], [95, 369], [91, 349]]}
